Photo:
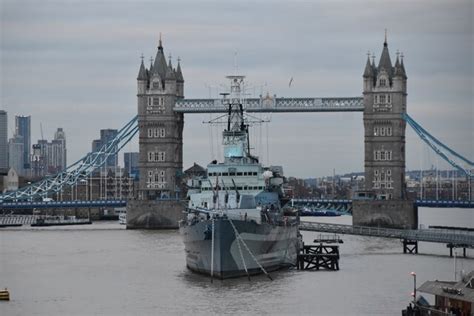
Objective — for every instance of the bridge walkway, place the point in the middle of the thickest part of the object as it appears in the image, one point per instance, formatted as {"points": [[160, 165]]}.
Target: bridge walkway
{"points": [[457, 239]]}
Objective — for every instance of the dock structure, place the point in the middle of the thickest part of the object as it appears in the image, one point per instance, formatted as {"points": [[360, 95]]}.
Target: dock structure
{"points": [[324, 254], [409, 237]]}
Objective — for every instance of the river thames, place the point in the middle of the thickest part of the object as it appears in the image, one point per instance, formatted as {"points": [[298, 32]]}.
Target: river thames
{"points": [[104, 269]]}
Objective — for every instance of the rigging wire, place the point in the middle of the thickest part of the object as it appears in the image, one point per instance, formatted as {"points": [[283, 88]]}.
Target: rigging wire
{"points": [[211, 138]]}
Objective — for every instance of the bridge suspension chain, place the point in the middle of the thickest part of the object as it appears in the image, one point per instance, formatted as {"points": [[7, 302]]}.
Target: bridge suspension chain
{"points": [[457, 161], [78, 170]]}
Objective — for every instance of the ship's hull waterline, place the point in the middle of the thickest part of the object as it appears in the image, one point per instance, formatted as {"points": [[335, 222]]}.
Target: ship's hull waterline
{"points": [[273, 246]]}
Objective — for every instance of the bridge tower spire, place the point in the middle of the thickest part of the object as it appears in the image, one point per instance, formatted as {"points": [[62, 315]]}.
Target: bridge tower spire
{"points": [[385, 103]]}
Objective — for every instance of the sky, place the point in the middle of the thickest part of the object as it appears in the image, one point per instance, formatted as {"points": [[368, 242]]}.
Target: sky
{"points": [[74, 63]]}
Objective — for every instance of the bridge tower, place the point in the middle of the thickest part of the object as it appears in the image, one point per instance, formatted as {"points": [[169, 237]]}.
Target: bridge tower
{"points": [[160, 145], [385, 102]]}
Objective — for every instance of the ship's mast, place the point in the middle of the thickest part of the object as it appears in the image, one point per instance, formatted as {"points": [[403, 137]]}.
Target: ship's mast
{"points": [[235, 138], [235, 103]]}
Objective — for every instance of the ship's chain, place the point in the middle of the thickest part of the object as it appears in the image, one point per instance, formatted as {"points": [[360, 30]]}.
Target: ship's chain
{"points": [[240, 251], [237, 235]]}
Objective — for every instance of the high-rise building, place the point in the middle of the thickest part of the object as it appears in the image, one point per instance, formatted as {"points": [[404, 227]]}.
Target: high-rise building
{"points": [[49, 157], [16, 154], [38, 164], [3, 141], [106, 135], [59, 143], [131, 163], [23, 128]]}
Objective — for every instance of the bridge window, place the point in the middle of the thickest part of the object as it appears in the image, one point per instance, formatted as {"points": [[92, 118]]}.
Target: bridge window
{"points": [[389, 131], [382, 98], [158, 101], [389, 99], [383, 82], [376, 131], [156, 132], [156, 179], [382, 131], [156, 156], [161, 156]]}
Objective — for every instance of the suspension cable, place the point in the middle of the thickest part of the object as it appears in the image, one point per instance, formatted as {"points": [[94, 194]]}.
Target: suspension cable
{"points": [[79, 169]]}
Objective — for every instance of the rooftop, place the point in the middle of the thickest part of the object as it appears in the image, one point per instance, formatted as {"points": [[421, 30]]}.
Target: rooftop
{"points": [[462, 290]]}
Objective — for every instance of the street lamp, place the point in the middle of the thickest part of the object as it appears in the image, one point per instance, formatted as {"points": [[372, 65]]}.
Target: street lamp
{"points": [[413, 274]]}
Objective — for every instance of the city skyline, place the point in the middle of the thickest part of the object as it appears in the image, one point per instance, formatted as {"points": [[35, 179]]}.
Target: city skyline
{"points": [[86, 70]]}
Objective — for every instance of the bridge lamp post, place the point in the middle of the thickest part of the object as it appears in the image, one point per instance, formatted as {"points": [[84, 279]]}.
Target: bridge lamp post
{"points": [[413, 274]]}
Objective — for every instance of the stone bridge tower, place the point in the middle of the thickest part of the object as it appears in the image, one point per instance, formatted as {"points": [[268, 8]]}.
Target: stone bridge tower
{"points": [[160, 145], [385, 101]]}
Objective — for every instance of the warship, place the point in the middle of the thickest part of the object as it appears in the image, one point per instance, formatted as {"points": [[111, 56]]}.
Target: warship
{"points": [[235, 223]]}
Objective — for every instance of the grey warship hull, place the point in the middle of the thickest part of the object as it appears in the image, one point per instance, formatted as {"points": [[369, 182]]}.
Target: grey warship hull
{"points": [[272, 246]]}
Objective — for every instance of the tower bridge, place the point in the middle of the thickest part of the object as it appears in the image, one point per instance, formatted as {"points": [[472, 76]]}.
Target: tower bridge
{"points": [[161, 106]]}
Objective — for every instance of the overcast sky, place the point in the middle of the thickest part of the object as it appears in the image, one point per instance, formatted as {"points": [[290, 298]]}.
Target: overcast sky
{"points": [[73, 64]]}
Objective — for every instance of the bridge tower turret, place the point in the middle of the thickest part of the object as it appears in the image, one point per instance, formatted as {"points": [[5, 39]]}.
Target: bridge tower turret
{"points": [[385, 102], [160, 146]]}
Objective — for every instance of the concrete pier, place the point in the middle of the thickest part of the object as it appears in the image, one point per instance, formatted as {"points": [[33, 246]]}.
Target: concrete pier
{"points": [[401, 214], [154, 214]]}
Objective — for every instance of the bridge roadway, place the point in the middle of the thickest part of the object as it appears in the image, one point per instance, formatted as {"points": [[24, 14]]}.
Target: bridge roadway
{"points": [[425, 203], [123, 202], [453, 238]]}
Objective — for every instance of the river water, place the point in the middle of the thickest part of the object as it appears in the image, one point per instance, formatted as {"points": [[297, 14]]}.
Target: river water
{"points": [[104, 269]]}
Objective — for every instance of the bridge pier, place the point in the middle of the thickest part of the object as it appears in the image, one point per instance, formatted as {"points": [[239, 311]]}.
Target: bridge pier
{"points": [[410, 246], [154, 214], [399, 214], [451, 246]]}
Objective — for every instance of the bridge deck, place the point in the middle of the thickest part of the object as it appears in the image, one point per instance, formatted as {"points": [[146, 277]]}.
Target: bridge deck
{"points": [[418, 202], [274, 104], [462, 239]]}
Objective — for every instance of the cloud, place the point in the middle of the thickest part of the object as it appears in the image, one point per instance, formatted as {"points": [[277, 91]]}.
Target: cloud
{"points": [[70, 62]]}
